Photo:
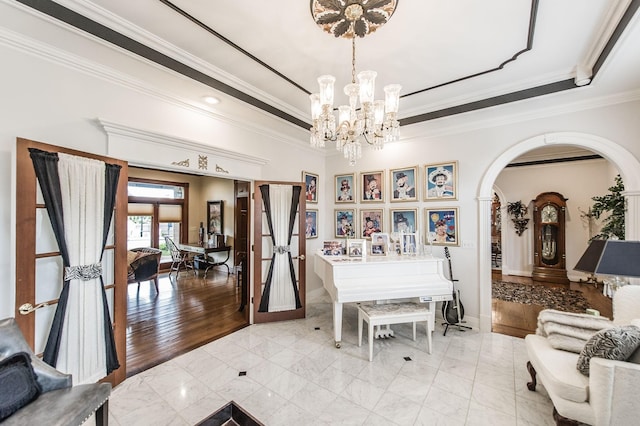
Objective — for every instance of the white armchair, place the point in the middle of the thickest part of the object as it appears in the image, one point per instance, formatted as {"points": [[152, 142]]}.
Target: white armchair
{"points": [[608, 396]]}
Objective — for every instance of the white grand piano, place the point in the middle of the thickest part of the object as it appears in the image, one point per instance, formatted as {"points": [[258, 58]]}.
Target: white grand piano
{"points": [[349, 279]]}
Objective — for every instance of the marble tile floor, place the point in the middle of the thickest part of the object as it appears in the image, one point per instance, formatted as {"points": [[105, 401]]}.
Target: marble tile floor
{"points": [[295, 376]]}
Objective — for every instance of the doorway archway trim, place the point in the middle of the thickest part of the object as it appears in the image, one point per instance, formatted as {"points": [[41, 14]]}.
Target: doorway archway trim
{"points": [[173, 153], [627, 164]]}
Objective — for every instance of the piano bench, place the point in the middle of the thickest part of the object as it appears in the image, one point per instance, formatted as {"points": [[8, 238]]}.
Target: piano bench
{"points": [[394, 313]]}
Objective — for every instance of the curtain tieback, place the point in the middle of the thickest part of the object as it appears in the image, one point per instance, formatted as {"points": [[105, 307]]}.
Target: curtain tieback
{"points": [[83, 272], [281, 249]]}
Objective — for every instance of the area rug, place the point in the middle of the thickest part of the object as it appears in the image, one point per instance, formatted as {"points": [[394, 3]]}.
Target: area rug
{"points": [[550, 298]]}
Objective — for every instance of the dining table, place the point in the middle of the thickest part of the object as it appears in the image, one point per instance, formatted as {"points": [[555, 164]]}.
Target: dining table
{"points": [[203, 251]]}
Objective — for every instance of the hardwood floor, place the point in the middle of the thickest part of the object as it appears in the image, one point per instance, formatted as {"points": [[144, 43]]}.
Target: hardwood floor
{"points": [[517, 319], [186, 313]]}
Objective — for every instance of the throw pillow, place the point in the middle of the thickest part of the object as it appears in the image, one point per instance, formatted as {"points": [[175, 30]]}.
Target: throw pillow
{"points": [[635, 356], [18, 384], [616, 343], [131, 256]]}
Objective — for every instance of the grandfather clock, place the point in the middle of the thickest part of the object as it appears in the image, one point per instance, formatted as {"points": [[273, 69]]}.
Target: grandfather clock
{"points": [[549, 255]]}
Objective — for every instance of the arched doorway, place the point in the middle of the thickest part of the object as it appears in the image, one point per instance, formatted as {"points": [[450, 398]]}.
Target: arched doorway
{"points": [[625, 162]]}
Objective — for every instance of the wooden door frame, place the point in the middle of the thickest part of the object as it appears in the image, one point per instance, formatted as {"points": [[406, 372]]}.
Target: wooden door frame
{"points": [[26, 201], [261, 317], [246, 272]]}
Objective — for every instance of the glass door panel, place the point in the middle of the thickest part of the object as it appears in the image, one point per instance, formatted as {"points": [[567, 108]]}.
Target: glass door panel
{"points": [[139, 231], [171, 230]]}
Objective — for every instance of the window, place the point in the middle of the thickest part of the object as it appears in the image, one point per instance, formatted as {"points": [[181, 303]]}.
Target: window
{"points": [[156, 209]]}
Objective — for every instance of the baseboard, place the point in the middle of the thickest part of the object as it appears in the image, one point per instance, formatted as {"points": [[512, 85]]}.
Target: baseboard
{"points": [[518, 273], [318, 295]]}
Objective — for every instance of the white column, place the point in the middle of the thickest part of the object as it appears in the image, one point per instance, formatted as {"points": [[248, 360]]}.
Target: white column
{"points": [[632, 220], [484, 262], [632, 217]]}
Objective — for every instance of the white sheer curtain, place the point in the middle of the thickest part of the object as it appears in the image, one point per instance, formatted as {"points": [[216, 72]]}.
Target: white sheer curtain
{"points": [[82, 348], [282, 297]]}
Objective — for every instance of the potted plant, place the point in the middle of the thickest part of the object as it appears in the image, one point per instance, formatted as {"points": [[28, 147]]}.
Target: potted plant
{"points": [[518, 210], [614, 204]]}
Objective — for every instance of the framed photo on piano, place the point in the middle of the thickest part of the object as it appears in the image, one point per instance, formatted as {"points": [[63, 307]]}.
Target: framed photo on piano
{"points": [[355, 248], [332, 248], [409, 243], [380, 239]]}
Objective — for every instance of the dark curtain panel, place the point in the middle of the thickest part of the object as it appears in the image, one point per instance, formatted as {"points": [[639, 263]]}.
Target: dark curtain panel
{"points": [[111, 178], [264, 299], [295, 200], [45, 165]]}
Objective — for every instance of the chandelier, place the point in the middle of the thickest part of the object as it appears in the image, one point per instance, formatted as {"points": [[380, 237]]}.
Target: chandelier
{"points": [[374, 121]]}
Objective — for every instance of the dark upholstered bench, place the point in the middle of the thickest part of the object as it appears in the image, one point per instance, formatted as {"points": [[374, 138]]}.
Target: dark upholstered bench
{"points": [[68, 406], [59, 403]]}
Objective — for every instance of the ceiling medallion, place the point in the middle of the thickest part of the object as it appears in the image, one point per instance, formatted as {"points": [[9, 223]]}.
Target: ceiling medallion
{"points": [[349, 18]]}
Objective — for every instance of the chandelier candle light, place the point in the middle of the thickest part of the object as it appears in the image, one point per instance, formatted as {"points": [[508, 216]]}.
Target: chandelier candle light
{"points": [[375, 121]]}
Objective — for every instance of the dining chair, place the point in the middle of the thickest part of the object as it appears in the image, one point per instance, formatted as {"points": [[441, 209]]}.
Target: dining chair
{"points": [[179, 258]]}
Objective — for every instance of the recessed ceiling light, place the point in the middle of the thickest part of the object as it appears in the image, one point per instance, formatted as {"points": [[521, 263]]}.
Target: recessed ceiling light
{"points": [[212, 100]]}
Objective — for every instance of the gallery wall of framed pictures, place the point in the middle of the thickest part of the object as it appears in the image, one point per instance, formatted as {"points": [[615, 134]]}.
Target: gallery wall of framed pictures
{"points": [[360, 215], [422, 187]]}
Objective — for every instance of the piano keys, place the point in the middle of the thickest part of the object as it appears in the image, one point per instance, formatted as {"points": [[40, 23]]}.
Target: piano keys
{"points": [[349, 279]]}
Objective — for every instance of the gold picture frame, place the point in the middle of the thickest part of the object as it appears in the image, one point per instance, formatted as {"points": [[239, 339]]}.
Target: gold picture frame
{"points": [[372, 187], [441, 226], [311, 181], [441, 181], [403, 184], [344, 187]]}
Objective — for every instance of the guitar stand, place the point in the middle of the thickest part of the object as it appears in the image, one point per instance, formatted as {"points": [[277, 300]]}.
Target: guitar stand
{"points": [[459, 323]]}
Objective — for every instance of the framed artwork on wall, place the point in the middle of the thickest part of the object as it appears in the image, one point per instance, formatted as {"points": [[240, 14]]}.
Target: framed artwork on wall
{"points": [[311, 224], [441, 226], [404, 184], [344, 220], [441, 181], [311, 182], [345, 188], [372, 187], [404, 220], [370, 222], [215, 217]]}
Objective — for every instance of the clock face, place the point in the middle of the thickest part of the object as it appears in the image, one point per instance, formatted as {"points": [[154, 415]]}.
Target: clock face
{"points": [[549, 214]]}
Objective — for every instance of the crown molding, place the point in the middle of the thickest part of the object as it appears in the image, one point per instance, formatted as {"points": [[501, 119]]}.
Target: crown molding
{"points": [[52, 54], [129, 29], [175, 142], [616, 13], [505, 119]]}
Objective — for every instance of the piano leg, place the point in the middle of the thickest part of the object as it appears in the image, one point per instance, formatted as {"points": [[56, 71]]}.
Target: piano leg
{"points": [[337, 323]]}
